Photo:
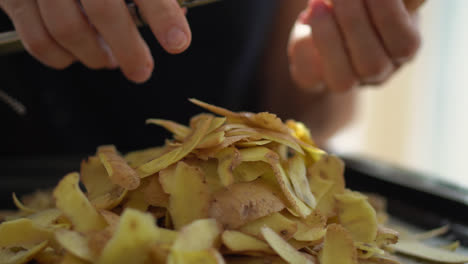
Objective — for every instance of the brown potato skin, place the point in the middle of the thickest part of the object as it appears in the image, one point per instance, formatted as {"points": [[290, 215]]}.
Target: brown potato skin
{"points": [[241, 203]]}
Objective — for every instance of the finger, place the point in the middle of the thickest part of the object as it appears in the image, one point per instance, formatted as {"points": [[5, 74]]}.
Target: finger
{"points": [[396, 28], [68, 26], [305, 65], [368, 55], [168, 23], [337, 69], [114, 23], [33, 33]]}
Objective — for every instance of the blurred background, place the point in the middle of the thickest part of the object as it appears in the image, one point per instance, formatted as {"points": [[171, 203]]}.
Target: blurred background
{"points": [[419, 119]]}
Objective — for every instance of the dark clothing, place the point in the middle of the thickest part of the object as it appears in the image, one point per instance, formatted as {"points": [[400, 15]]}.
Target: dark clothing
{"points": [[75, 110]]}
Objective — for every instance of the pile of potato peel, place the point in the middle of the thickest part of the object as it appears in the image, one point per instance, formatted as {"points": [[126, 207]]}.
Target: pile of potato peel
{"points": [[232, 188]]}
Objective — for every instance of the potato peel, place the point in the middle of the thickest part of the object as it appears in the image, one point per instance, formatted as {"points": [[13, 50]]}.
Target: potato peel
{"points": [[239, 242], [244, 202], [9, 256], [284, 250], [338, 247], [241, 188], [131, 242], [74, 204], [357, 216], [196, 193], [119, 171], [177, 154], [417, 249]]}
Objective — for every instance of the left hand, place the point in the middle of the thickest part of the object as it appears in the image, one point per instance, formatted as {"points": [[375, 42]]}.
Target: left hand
{"points": [[351, 42]]}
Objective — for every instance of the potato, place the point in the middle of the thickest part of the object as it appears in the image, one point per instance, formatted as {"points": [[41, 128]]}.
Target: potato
{"points": [[285, 227], [75, 206], [357, 216], [241, 203], [186, 185], [338, 247], [284, 250], [240, 242]]}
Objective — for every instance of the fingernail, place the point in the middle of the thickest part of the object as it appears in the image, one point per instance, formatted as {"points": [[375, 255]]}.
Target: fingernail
{"points": [[176, 38]]}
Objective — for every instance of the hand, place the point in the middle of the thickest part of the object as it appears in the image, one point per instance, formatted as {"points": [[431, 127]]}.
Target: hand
{"points": [[350, 43], [97, 33]]}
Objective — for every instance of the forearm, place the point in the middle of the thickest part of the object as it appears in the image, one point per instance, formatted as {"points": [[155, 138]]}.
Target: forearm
{"points": [[324, 112]]}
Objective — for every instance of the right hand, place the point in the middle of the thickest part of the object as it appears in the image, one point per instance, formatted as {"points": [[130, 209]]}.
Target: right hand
{"points": [[340, 44], [98, 33]]}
